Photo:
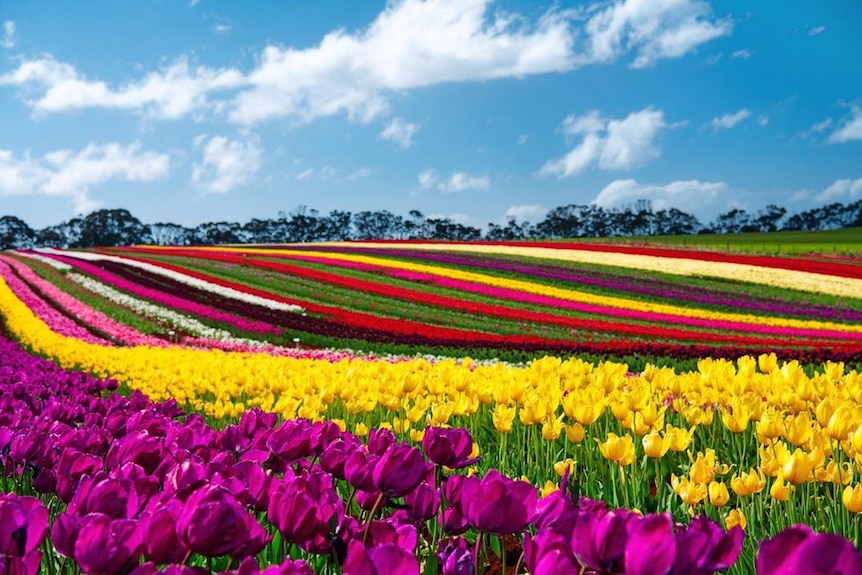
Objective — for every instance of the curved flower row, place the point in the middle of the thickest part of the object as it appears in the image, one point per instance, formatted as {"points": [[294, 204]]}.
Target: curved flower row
{"points": [[186, 279], [688, 265]]}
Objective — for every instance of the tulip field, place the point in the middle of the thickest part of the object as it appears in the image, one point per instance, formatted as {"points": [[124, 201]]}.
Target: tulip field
{"points": [[407, 407]]}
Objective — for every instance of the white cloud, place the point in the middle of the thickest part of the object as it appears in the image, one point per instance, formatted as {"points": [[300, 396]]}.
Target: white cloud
{"points": [[841, 190], [460, 182], [305, 174], [612, 144], [533, 212], [691, 196], [714, 59], [8, 38], [358, 174], [410, 44], [400, 132], [742, 54], [221, 28], [226, 165], [75, 174], [653, 29], [730, 120], [522, 139], [427, 179], [815, 30], [851, 130], [174, 91]]}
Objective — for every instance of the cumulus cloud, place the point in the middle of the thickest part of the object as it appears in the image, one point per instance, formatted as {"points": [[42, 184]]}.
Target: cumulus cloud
{"points": [[225, 164], [410, 44], [174, 91], [730, 120], [815, 30], [612, 144], [460, 182], [7, 39], [851, 130], [532, 212], [400, 132], [75, 173], [692, 196], [653, 30], [457, 182], [841, 190]]}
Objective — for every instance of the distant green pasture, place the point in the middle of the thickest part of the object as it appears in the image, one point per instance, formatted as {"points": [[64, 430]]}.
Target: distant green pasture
{"points": [[831, 242]]}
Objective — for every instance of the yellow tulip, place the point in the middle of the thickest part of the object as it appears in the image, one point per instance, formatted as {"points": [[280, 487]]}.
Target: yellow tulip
{"points": [[734, 518], [361, 429], [618, 449], [718, 494], [779, 491], [798, 468], [769, 427], [798, 429], [655, 445], [851, 497], [736, 418], [841, 423], [767, 362], [575, 432], [585, 407], [679, 438], [552, 428], [416, 435], [548, 488], [503, 416], [748, 483], [560, 467], [690, 492]]}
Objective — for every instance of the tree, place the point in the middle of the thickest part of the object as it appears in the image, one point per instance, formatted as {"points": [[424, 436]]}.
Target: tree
{"points": [[15, 234], [166, 234], [112, 228]]}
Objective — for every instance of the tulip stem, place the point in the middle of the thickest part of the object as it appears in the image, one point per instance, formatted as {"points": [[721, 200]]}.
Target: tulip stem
{"points": [[476, 550], [371, 516]]}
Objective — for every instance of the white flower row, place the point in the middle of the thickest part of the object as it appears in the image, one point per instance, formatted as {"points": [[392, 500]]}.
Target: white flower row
{"points": [[173, 318], [183, 278], [58, 265]]}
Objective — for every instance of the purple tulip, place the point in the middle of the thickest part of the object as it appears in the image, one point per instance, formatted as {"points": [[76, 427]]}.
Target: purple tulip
{"points": [[380, 440], [304, 508], [213, 523], [599, 540], [456, 557], [291, 440], [448, 447], [27, 565], [23, 525], [107, 547], [704, 547], [424, 502], [150, 568], [162, 544], [387, 559], [359, 470], [651, 547], [549, 553], [334, 456], [496, 504], [399, 470], [249, 566], [798, 549]]}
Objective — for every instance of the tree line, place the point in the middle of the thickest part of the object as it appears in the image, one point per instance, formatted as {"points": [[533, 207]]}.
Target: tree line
{"points": [[119, 227]]}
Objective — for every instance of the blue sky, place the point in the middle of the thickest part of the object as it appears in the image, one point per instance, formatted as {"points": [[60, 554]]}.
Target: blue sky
{"points": [[206, 110]]}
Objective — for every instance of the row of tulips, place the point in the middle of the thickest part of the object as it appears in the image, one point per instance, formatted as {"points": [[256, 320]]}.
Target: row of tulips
{"points": [[137, 488], [777, 272], [714, 297]]}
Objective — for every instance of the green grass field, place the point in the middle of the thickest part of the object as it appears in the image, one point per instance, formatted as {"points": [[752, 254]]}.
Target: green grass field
{"points": [[831, 242]]}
